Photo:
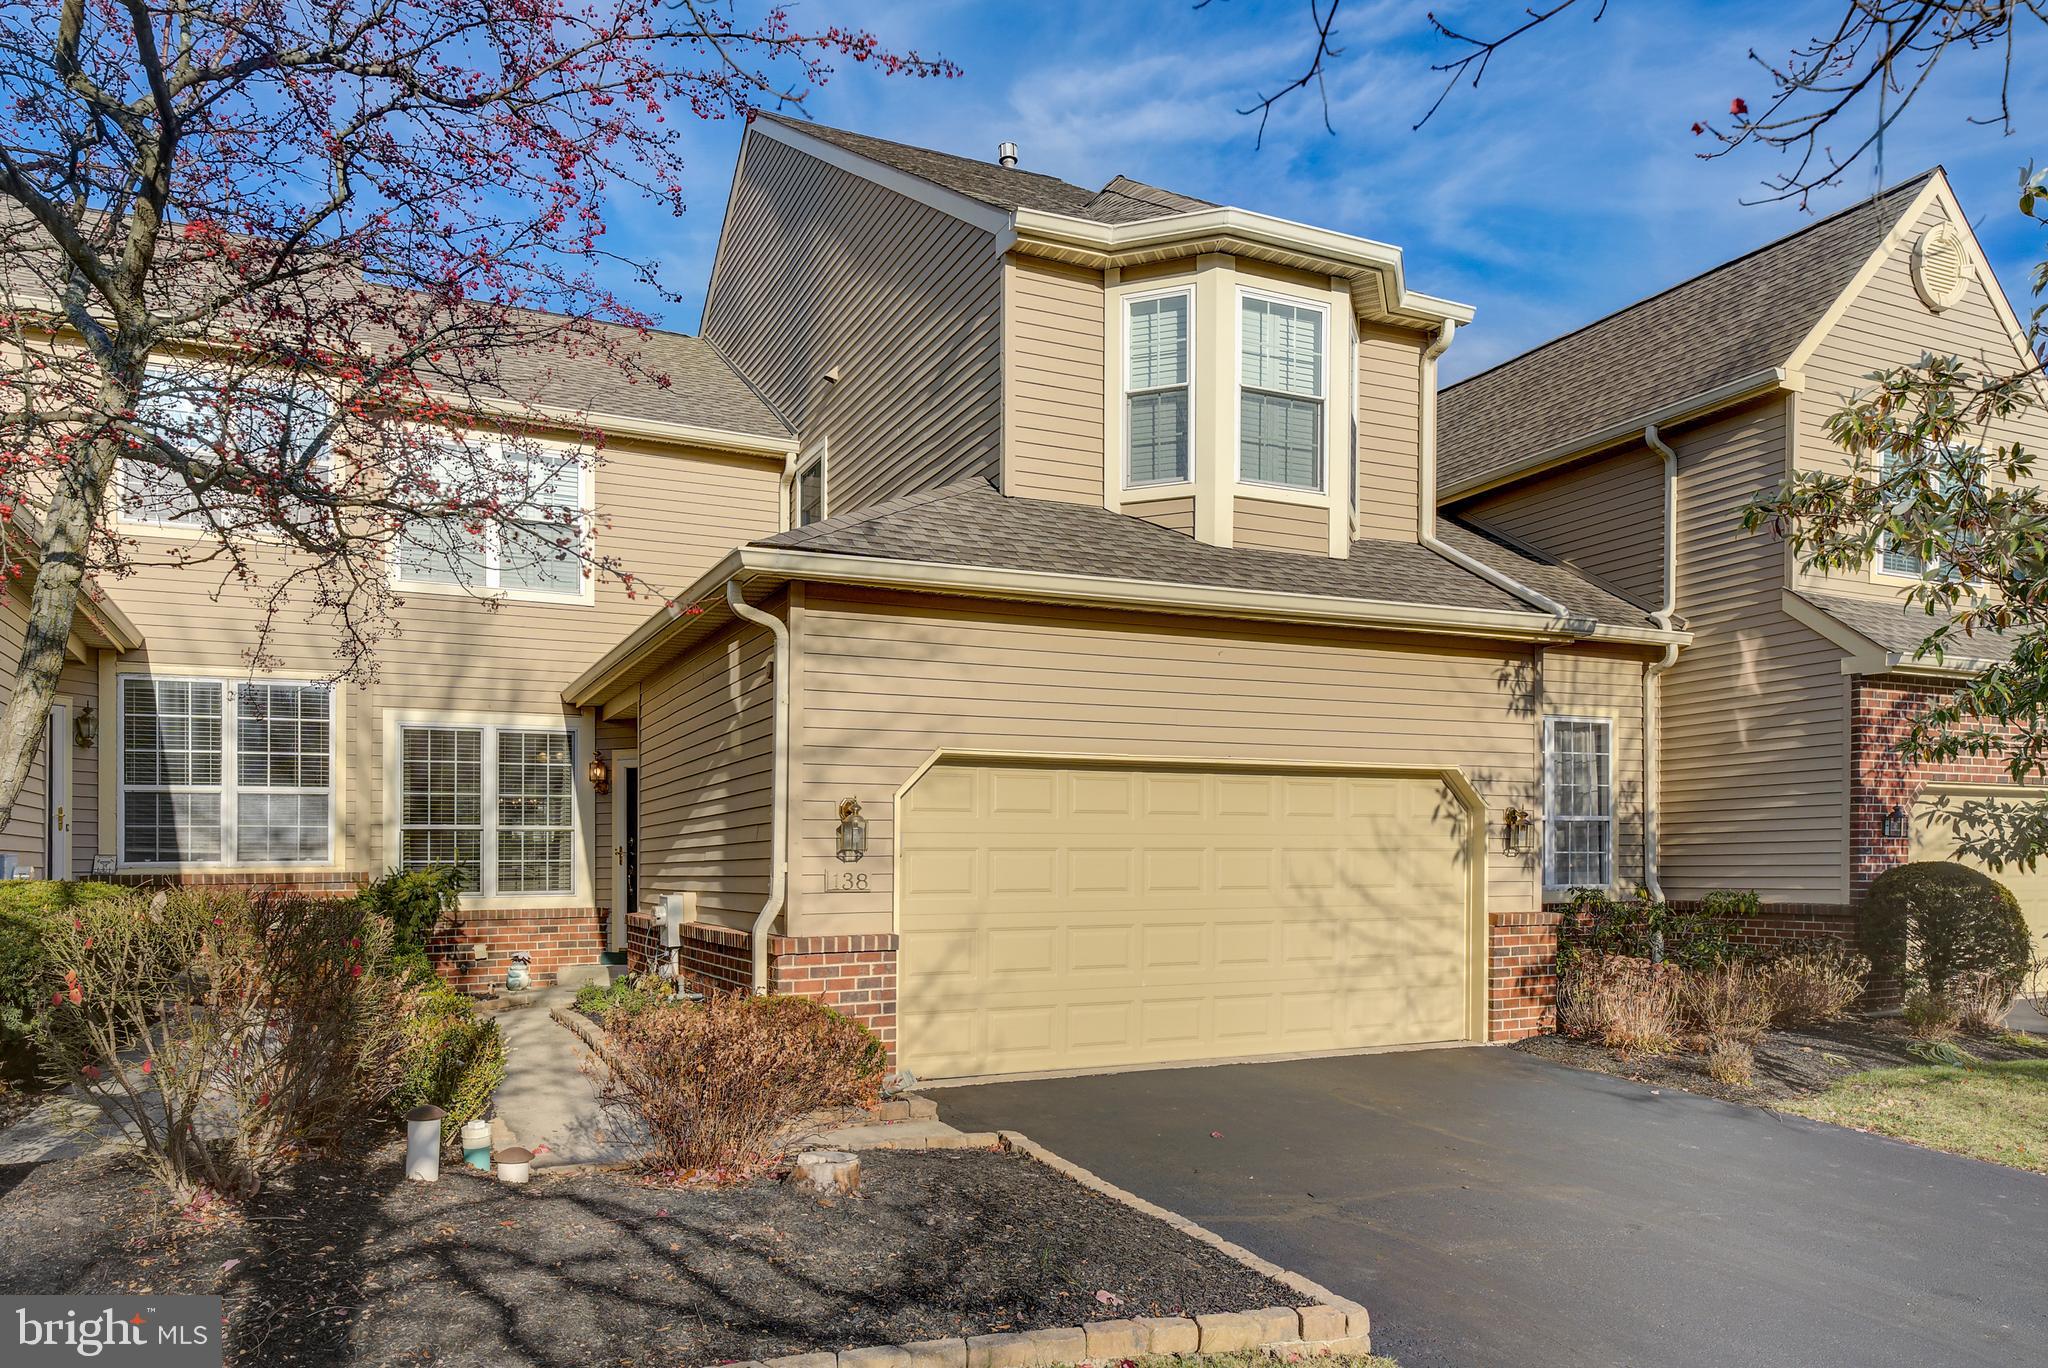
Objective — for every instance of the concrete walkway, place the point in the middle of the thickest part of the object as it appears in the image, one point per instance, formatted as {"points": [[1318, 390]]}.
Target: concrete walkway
{"points": [[548, 1101]]}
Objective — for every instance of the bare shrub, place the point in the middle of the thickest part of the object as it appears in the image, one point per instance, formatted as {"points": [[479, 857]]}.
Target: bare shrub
{"points": [[1981, 1001], [232, 1035], [714, 1083], [1931, 1014], [1728, 1002], [1814, 981], [1731, 1062], [1627, 1004]]}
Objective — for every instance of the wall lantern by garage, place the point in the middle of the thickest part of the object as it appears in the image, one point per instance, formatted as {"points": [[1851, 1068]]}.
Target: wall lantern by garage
{"points": [[85, 728], [1519, 825], [853, 831], [600, 774], [1895, 824]]}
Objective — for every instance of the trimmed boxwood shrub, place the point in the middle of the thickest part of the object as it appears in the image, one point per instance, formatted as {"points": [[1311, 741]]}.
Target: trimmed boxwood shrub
{"points": [[453, 1058], [29, 909], [1931, 923]]}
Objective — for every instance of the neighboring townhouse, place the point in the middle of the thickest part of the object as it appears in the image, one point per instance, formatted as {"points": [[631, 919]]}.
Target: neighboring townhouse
{"points": [[1118, 697], [1774, 730]]}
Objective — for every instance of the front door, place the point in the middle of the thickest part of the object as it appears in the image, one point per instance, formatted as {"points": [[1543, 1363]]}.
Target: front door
{"points": [[57, 766], [625, 843]]}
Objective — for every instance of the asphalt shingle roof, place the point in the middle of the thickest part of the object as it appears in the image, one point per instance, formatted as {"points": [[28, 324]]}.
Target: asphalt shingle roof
{"points": [[1123, 200], [1901, 627], [1741, 317], [972, 524], [702, 389]]}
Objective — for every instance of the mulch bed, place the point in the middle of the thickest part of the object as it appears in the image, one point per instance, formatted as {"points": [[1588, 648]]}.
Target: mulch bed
{"points": [[352, 1264], [1789, 1063]]}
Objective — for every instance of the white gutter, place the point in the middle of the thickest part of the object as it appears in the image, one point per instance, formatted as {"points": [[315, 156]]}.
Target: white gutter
{"points": [[778, 784], [1425, 526], [1651, 675]]}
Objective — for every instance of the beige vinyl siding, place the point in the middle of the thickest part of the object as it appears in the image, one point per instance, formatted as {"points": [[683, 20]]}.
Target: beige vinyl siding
{"points": [[884, 680], [1176, 513], [1884, 326], [1389, 372], [1264, 525], [1053, 333], [707, 728], [826, 270], [667, 515], [1755, 714], [24, 834], [78, 686], [1608, 688], [1603, 518]]}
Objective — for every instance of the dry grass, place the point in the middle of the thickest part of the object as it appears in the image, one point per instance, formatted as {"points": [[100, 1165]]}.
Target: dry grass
{"points": [[1930, 1015], [1730, 1002], [1625, 1003], [1994, 1111], [1814, 982], [1981, 1001], [1731, 1062]]}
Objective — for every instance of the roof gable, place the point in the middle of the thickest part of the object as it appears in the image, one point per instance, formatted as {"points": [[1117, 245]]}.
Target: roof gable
{"points": [[1717, 330]]}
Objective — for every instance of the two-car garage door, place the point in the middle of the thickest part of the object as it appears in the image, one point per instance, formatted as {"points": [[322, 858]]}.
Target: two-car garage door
{"points": [[1085, 916]]}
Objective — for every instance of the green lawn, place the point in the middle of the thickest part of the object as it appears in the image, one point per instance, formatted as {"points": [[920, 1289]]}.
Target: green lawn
{"points": [[1995, 1111]]}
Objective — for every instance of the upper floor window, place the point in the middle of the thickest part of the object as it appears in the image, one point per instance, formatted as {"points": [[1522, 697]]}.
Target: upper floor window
{"points": [[1280, 394], [536, 552], [267, 423], [1578, 785], [1958, 480], [810, 491], [1156, 446]]}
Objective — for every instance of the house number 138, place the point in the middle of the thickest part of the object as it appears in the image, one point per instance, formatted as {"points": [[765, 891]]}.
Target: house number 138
{"points": [[846, 881]]}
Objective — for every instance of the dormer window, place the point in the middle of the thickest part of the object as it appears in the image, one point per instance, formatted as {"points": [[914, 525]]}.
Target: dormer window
{"points": [[1280, 392], [1156, 445]]}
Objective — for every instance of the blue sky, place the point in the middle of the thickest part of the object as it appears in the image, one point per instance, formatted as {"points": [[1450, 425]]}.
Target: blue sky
{"points": [[1566, 186]]}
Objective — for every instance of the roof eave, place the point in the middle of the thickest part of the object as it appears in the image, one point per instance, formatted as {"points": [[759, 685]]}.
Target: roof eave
{"points": [[1086, 242], [1863, 655], [780, 564]]}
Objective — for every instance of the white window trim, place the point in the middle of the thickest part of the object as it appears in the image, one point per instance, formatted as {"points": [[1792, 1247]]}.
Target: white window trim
{"points": [[199, 531], [586, 499], [1550, 819], [230, 786], [1319, 492], [583, 811], [1123, 390], [796, 483]]}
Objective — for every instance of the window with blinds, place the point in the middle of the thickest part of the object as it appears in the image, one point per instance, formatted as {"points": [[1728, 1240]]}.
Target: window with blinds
{"points": [[1157, 449], [1280, 393], [496, 803], [281, 425], [537, 552]]}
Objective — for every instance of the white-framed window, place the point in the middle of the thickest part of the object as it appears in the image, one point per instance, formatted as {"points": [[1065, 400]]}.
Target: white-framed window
{"points": [[1578, 799], [1902, 564], [1158, 446], [283, 420], [496, 801], [220, 773], [810, 503], [537, 553], [1280, 345]]}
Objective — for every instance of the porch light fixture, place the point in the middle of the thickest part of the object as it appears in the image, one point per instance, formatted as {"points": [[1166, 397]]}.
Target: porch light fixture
{"points": [[853, 831], [1520, 827], [85, 728], [1895, 824], [600, 772]]}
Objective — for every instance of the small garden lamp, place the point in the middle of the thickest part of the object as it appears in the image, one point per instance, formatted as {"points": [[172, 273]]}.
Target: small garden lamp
{"points": [[85, 728], [853, 831], [1895, 824], [600, 775]]}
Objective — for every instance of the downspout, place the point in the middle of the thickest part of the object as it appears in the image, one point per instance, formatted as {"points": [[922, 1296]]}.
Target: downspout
{"points": [[1652, 737], [778, 843], [1426, 506]]}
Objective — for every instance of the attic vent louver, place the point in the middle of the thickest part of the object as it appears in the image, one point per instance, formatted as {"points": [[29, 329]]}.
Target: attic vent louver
{"points": [[1941, 266]]}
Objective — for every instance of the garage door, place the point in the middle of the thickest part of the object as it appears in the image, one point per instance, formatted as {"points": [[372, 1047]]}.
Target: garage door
{"points": [[1934, 839], [1078, 917]]}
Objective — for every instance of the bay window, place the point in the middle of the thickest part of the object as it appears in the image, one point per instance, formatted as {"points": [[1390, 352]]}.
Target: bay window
{"points": [[220, 773], [1280, 392], [496, 802]]}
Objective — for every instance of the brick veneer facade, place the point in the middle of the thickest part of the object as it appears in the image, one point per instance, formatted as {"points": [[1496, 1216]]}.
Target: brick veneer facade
{"points": [[556, 938], [855, 975], [1880, 779]]}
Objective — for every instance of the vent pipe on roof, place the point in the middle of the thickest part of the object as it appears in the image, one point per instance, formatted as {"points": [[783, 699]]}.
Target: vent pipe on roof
{"points": [[1006, 153]]}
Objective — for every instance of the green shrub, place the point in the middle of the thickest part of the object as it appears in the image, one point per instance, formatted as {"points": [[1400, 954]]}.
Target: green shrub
{"points": [[1814, 980], [1931, 1014], [630, 994], [415, 902], [454, 1059], [29, 910], [715, 1083], [1930, 924], [1641, 927]]}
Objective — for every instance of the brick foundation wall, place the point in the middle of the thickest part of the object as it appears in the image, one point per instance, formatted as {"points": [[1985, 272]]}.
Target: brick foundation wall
{"points": [[1882, 711], [855, 975], [555, 937], [338, 885]]}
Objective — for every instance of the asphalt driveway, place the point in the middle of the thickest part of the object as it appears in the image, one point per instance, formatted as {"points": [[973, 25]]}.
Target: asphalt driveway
{"points": [[1494, 1209]]}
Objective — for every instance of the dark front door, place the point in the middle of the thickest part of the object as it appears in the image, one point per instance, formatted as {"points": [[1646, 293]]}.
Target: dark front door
{"points": [[631, 779]]}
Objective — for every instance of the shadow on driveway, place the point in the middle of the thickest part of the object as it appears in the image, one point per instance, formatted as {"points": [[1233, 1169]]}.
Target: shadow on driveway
{"points": [[1491, 1208]]}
